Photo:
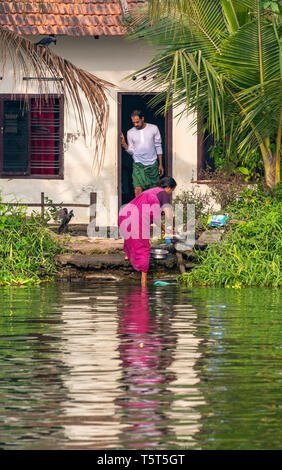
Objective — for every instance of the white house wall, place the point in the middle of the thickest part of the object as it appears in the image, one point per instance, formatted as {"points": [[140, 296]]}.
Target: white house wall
{"points": [[112, 59]]}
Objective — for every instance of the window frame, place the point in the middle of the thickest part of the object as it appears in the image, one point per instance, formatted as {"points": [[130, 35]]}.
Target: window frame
{"points": [[27, 175], [201, 156]]}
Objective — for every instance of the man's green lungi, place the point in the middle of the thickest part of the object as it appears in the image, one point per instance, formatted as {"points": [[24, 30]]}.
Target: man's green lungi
{"points": [[145, 176]]}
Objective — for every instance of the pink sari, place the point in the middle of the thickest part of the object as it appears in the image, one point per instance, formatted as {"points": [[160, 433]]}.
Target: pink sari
{"points": [[139, 216]]}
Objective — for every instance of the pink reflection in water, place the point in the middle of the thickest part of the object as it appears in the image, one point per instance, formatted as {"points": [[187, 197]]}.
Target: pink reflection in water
{"points": [[143, 367]]}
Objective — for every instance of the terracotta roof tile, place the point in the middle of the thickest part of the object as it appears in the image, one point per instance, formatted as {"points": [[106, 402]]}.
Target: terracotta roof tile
{"points": [[66, 17]]}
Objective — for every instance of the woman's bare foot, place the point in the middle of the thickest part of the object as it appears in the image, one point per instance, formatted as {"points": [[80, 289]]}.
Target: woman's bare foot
{"points": [[126, 257]]}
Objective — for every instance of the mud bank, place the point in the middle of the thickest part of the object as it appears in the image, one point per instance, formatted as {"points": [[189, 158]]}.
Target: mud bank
{"points": [[90, 259]]}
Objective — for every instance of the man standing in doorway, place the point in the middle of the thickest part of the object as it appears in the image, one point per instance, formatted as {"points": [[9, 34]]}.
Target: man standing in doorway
{"points": [[145, 146]]}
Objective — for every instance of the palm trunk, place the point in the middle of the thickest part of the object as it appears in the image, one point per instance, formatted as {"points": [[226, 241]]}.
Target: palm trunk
{"points": [[269, 162], [278, 147], [270, 173]]}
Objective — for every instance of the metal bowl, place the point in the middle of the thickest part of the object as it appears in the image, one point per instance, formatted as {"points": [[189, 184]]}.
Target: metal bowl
{"points": [[179, 237], [158, 253]]}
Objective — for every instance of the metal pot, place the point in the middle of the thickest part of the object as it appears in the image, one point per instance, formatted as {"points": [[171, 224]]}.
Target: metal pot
{"points": [[178, 238], [158, 253]]}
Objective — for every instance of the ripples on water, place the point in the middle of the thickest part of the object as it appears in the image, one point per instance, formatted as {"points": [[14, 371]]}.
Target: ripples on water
{"points": [[112, 366]]}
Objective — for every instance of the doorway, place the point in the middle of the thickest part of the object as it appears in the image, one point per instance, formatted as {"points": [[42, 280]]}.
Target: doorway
{"points": [[127, 102]]}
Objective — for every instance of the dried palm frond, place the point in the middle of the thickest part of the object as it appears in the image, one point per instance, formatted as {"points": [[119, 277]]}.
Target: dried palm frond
{"points": [[69, 80]]}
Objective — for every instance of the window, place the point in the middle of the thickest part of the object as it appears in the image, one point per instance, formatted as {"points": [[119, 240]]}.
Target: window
{"points": [[31, 139]]}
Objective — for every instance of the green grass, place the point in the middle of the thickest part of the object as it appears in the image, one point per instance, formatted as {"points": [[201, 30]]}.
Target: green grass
{"points": [[249, 253], [27, 249]]}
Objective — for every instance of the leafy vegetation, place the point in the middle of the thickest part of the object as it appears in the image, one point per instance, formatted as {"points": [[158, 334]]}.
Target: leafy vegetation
{"points": [[221, 59], [201, 200], [27, 59], [27, 248], [250, 251], [224, 187], [226, 159]]}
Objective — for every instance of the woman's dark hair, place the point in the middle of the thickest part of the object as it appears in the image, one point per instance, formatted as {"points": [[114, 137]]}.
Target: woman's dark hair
{"points": [[138, 113], [167, 182]]}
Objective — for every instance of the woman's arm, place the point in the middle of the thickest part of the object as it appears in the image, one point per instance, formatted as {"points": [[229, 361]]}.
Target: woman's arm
{"points": [[169, 227], [169, 220]]}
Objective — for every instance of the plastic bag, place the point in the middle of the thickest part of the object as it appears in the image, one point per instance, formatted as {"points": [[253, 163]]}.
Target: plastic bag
{"points": [[218, 220]]}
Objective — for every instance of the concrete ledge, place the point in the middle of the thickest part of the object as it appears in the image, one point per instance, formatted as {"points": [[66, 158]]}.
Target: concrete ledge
{"points": [[94, 261]]}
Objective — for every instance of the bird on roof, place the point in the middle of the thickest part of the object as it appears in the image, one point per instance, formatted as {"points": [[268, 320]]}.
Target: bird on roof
{"points": [[46, 41]]}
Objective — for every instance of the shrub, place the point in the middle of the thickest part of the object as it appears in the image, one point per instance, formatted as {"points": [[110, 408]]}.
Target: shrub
{"points": [[224, 187], [249, 253], [202, 201], [27, 248]]}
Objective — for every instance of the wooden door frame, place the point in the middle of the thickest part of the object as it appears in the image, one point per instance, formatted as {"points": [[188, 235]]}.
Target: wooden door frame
{"points": [[167, 144], [200, 152]]}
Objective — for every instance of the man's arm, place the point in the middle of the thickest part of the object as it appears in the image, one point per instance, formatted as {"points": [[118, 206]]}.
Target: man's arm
{"points": [[159, 150], [161, 168], [128, 147], [122, 141]]}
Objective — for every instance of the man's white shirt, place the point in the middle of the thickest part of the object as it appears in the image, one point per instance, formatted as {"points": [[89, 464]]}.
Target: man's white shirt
{"points": [[144, 144]]}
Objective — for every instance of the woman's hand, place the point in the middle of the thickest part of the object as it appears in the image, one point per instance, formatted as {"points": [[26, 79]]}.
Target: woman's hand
{"points": [[169, 220]]}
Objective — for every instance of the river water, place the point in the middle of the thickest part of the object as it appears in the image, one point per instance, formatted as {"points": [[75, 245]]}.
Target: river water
{"points": [[114, 366]]}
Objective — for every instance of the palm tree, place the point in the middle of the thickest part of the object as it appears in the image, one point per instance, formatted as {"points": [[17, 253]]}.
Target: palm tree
{"points": [[221, 59], [27, 58]]}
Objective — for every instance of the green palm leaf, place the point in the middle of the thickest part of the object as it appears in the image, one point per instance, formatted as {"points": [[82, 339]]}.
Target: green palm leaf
{"points": [[258, 63], [262, 104], [222, 59], [27, 58]]}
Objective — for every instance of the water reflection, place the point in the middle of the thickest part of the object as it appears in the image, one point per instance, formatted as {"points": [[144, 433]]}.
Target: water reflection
{"points": [[105, 366], [30, 370], [146, 351], [185, 410], [240, 369], [89, 351]]}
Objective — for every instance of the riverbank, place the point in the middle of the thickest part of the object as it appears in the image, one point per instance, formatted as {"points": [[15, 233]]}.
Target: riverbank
{"points": [[104, 258], [27, 248], [249, 253], [246, 252]]}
